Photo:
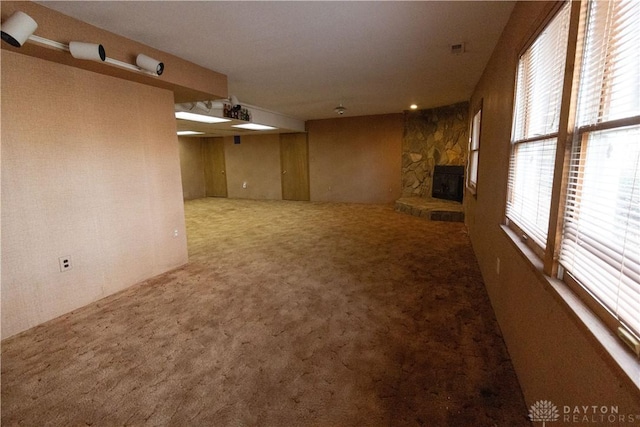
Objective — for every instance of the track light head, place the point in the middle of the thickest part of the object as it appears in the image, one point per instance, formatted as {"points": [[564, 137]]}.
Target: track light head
{"points": [[90, 51], [149, 64], [17, 28]]}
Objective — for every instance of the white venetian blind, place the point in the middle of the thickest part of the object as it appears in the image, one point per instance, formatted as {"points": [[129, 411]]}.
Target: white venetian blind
{"points": [[610, 81], [530, 182], [601, 232], [539, 84]]}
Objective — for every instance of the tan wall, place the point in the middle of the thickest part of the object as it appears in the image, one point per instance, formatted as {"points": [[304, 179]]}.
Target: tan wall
{"points": [[256, 161], [350, 160], [553, 355], [192, 168], [90, 170], [356, 159]]}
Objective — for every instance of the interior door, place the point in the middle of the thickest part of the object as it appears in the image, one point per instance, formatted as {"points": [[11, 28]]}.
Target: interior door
{"points": [[294, 165], [215, 178]]}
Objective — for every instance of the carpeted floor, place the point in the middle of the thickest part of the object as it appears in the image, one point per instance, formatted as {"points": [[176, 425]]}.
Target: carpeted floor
{"points": [[288, 314]]}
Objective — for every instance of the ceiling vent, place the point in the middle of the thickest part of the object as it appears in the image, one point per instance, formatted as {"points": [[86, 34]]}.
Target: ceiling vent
{"points": [[457, 48]]}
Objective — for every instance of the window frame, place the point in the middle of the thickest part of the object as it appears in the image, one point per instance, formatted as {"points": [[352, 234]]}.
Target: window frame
{"points": [[583, 307], [475, 139], [545, 250], [579, 134]]}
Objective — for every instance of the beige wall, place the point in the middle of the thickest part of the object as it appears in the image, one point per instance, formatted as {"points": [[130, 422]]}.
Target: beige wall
{"points": [[256, 161], [554, 357], [356, 159], [90, 169], [192, 168]]}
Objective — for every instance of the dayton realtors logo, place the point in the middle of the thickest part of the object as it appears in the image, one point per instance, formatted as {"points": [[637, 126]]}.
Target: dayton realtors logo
{"points": [[545, 411]]}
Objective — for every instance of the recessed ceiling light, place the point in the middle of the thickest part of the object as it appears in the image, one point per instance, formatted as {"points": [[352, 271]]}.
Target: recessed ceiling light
{"points": [[413, 106], [254, 126], [193, 117], [189, 132]]}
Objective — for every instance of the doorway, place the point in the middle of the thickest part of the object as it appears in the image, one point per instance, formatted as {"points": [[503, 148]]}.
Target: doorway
{"points": [[215, 175], [294, 166]]}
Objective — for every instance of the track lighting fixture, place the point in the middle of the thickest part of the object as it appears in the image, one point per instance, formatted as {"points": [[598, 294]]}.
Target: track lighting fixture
{"points": [[18, 28], [91, 51], [149, 64]]}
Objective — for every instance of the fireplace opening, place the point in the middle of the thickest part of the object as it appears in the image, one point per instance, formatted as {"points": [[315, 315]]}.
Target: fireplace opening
{"points": [[448, 182]]}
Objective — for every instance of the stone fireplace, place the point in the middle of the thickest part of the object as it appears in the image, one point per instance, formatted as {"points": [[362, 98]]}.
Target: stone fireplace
{"points": [[448, 183], [438, 136], [435, 137]]}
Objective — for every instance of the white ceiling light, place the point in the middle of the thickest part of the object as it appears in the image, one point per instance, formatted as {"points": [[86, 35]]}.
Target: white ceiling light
{"points": [[413, 106], [254, 126], [18, 28], [149, 64], [183, 115], [90, 51], [189, 132]]}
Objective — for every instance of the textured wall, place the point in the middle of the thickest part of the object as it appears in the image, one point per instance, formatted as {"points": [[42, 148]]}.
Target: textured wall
{"points": [[256, 162], [90, 170], [355, 159], [192, 168], [553, 354], [438, 136]]}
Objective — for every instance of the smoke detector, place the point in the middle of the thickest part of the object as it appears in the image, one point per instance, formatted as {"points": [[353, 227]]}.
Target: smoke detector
{"points": [[340, 109]]}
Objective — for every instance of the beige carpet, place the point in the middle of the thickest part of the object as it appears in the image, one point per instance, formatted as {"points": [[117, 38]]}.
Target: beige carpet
{"points": [[288, 314]]}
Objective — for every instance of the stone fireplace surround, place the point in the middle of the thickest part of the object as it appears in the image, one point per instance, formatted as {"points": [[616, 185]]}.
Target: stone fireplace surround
{"points": [[437, 136]]}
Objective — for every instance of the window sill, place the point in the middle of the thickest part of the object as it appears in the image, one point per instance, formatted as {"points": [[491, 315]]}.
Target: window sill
{"points": [[615, 352]]}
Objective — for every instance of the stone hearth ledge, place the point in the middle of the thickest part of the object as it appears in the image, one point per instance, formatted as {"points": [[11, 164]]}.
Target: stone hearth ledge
{"points": [[431, 209]]}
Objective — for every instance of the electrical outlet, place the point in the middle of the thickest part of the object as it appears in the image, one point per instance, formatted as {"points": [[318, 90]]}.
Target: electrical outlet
{"points": [[175, 233], [498, 265], [65, 263], [244, 184]]}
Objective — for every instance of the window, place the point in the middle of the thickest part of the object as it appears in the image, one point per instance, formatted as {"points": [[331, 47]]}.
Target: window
{"points": [[539, 85], [600, 248], [474, 152]]}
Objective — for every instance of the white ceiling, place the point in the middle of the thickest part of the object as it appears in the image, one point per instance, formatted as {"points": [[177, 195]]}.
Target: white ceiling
{"points": [[304, 58]]}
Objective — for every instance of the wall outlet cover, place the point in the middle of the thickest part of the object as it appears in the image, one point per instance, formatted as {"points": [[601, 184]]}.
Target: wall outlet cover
{"points": [[65, 263]]}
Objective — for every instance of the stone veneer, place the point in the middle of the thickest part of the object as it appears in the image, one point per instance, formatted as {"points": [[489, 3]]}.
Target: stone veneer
{"points": [[437, 136], [432, 209]]}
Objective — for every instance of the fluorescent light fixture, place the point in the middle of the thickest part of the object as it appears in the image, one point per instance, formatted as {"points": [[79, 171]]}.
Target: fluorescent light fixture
{"points": [[254, 126], [189, 132], [199, 117]]}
